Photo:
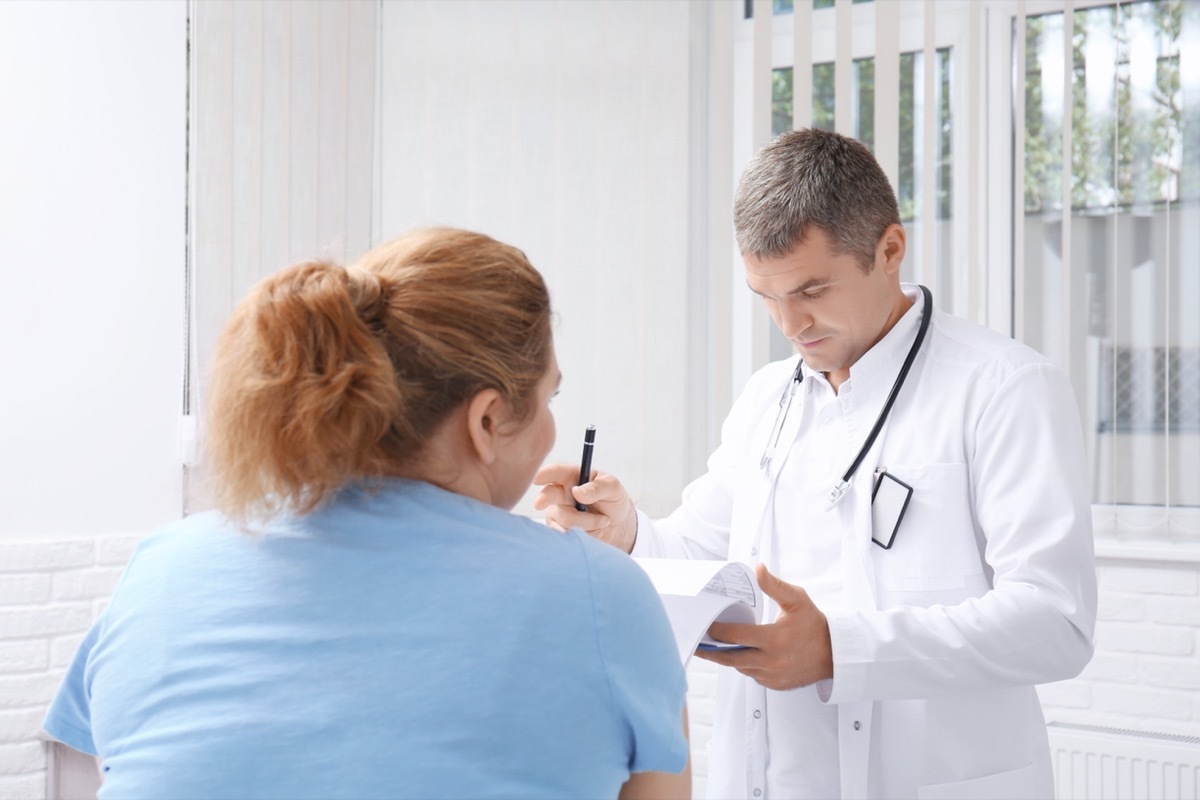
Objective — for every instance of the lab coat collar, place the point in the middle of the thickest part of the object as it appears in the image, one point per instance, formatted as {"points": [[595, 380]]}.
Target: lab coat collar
{"points": [[876, 369]]}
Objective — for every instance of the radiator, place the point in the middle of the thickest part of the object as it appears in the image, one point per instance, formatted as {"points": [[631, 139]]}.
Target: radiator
{"points": [[1096, 763]]}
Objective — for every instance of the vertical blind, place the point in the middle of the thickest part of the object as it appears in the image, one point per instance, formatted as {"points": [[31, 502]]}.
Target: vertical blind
{"points": [[281, 159], [1102, 153], [1106, 269]]}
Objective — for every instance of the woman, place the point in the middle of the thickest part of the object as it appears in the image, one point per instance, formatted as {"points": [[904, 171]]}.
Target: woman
{"points": [[363, 617]]}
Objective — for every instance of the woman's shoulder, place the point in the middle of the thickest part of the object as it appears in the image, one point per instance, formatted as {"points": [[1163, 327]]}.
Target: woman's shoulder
{"points": [[616, 579], [185, 534]]}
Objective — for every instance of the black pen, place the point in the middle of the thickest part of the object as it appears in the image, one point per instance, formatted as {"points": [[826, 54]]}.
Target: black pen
{"points": [[585, 466]]}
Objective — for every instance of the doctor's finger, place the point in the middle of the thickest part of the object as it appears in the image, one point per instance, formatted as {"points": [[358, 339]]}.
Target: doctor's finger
{"points": [[738, 633], [562, 474], [744, 661], [789, 596], [553, 494], [564, 517], [602, 488], [767, 678], [752, 663], [722, 657]]}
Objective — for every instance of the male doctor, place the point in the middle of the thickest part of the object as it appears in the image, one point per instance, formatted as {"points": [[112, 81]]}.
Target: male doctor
{"points": [[912, 488]]}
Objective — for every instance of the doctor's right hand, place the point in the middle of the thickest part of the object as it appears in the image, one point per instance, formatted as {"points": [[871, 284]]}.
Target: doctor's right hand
{"points": [[611, 516]]}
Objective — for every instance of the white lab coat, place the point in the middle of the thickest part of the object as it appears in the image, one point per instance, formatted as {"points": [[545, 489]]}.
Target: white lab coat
{"points": [[988, 589]]}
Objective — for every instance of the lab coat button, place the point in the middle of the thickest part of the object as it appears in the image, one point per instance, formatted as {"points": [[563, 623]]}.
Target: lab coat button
{"points": [[757, 713], [753, 551], [758, 792], [857, 725]]}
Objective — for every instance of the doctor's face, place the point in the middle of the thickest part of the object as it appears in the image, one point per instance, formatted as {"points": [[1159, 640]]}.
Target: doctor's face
{"points": [[830, 309]]}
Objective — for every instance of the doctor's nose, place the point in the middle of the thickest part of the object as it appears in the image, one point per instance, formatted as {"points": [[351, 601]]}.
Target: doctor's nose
{"points": [[793, 321]]}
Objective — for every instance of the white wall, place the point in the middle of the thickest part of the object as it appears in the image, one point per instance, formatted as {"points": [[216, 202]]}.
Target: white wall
{"points": [[92, 260], [93, 101]]}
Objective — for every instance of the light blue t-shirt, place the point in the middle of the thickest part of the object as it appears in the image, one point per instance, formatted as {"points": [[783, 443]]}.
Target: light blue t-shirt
{"points": [[403, 642]]}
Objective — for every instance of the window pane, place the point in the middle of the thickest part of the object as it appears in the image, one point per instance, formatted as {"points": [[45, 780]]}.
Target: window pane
{"points": [[913, 198], [777, 7], [912, 134], [1132, 339], [823, 105], [945, 164], [1043, 112], [781, 100], [818, 4], [864, 101], [911, 120]]}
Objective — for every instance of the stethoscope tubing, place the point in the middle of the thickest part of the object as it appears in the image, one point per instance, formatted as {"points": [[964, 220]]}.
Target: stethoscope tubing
{"points": [[926, 315], [785, 403]]}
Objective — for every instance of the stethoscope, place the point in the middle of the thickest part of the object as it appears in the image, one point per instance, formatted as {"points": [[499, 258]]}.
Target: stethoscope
{"points": [[789, 391]]}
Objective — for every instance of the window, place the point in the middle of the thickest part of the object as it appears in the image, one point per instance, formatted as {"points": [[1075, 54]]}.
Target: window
{"points": [[1106, 271]]}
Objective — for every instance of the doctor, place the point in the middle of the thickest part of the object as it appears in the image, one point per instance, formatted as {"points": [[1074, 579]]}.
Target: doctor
{"points": [[912, 488]]}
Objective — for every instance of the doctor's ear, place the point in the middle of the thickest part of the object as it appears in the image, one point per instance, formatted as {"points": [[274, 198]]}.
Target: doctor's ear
{"points": [[487, 416], [889, 253]]}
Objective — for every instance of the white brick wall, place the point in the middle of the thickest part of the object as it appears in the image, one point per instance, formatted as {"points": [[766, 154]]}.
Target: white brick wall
{"points": [[1146, 671], [50, 591]]}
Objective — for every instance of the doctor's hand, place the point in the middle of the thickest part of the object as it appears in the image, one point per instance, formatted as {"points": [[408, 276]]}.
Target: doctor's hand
{"points": [[793, 651], [611, 516]]}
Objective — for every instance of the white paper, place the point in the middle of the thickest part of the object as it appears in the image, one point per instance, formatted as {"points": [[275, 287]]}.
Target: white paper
{"points": [[696, 593]]}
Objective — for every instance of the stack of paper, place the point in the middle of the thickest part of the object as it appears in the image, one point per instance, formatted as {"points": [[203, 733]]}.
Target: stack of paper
{"points": [[696, 593]]}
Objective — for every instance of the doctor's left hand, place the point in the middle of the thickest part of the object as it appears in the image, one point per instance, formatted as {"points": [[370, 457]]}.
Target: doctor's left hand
{"points": [[793, 651]]}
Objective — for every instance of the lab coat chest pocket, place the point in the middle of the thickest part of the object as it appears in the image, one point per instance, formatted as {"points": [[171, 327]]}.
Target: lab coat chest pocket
{"points": [[934, 557]]}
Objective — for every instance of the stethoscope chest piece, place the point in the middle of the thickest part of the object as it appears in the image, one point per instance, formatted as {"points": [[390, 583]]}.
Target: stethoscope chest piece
{"points": [[836, 494]]}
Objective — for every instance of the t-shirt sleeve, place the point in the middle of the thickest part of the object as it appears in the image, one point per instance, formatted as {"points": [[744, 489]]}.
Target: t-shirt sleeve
{"points": [[647, 680], [69, 718]]}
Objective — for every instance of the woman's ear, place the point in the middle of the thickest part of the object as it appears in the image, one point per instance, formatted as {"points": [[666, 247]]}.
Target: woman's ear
{"points": [[486, 414]]}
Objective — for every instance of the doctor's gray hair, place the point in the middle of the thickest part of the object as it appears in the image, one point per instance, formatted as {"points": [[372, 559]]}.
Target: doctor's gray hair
{"points": [[813, 177]]}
